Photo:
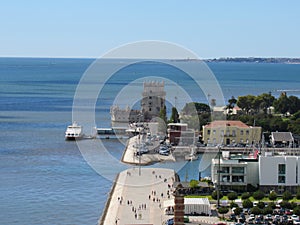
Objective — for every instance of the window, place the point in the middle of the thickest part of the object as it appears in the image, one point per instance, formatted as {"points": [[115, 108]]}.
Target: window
{"points": [[238, 179], [242, 132], [224, 170], [281, 179], [208, 132], [227, 132], [150, 97], [233, 133], [238, 169], [247, 132], [149, 109], [225, 178], [281, 168], [214, 131]]}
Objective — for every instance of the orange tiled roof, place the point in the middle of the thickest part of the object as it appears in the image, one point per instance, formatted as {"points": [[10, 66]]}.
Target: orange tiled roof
{"points": [[228, 123]]}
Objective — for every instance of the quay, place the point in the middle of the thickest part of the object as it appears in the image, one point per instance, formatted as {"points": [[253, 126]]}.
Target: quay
{"points": [[130, 154], [137, 197]]}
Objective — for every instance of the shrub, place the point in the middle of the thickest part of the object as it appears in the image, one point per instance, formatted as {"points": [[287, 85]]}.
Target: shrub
{"points": [[223, 210], [267, 210], [214, 195], [258, 195], [261, 205], [296, 210], [247, 204], [256, 211], [238, 211], [232, 196], [272, 205], [272, 195], [245, 195], [285, 205], [287, 196], [233, 205]]}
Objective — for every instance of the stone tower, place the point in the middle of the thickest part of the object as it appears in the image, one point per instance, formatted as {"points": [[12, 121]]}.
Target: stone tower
{"points": [[153, 99]]}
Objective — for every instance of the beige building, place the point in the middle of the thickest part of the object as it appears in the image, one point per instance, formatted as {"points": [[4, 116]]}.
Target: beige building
{"points": [[230, 132]]}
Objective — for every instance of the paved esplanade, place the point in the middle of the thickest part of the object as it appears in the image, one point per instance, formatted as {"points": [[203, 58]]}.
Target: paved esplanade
{"points": [[138, 197]]}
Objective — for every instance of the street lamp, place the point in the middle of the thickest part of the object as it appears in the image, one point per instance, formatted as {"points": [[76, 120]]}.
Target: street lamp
{"points": [[219, 176]]}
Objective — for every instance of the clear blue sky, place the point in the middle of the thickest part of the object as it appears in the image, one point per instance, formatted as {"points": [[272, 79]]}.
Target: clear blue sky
{"points": [[210, 28]]}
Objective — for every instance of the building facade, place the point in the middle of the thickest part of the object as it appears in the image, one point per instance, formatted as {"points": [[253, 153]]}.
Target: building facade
{"points": [[179, 134], [230, 132], [279, 173], [235, 174]]}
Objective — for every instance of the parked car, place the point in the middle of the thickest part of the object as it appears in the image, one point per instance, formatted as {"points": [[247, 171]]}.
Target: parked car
{"points": [[294, 217]]}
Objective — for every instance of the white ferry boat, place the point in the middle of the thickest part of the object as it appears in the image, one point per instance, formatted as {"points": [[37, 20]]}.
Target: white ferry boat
{"points": [[73, 132]]}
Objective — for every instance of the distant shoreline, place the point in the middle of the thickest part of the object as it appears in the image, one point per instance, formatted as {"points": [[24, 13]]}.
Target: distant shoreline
{"points": [[274, 60]]}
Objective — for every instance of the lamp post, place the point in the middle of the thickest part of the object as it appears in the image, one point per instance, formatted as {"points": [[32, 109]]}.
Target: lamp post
{"points": [[219, 176]]}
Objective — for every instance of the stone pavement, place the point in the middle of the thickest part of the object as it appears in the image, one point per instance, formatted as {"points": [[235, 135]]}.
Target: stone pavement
{"points": [[138, 197], [146, 159]]}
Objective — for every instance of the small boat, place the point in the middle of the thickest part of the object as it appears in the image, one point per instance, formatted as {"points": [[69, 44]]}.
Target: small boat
{"points": [[191, 157], [73, 132]]}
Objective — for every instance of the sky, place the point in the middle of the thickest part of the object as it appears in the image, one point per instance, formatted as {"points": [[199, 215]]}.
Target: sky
{"points": [[90, 28]]}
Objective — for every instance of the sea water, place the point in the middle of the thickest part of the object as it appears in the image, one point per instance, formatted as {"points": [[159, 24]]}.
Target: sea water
{"points": [[43, 178]]}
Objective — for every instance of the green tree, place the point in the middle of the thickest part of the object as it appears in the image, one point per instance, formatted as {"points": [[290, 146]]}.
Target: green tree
{"points": [[238, 211], [273, 196], [194, 183], [256, 211], [294, 104], [223, 210], [296, 210], [174, 116], [246, 103], [162, 123], [258, 195], [287, 196], [298, 193], [232, 196], [195, 108], [245, 195], [285, 204], [247, 203], [231, 103], [214, 195], [233, 205], [281, 104], [261, 205], [267, 210]]}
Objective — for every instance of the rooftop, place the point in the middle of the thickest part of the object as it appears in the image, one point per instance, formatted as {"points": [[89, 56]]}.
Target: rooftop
{"points": [[226, 123]]}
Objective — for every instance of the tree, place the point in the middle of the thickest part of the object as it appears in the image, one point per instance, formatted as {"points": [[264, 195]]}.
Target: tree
{"points": [[272, 195], [223, 210], [287, 196], [296, 210], [233, 205], [162, 122], [245, 195], [267, 210], [194, 183], [246, 103], [231, 103], [281, 104], [255, 210], [258, 195], [285, 204], [195, 108], [294, 104], [237, 211], [261, 205], [174, 116], [247, 204], [232, 196], [214, 195], [298, 193]]}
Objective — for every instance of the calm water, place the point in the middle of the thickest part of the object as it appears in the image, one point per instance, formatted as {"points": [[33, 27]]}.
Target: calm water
{"points": [[43, 178]]}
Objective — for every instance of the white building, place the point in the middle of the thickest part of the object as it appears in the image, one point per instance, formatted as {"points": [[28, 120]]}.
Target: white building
{"points": [[279, 173], [235, 174]]}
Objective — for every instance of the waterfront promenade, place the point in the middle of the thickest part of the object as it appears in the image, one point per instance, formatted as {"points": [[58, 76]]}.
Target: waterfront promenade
{"points": [[137, 197]]}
